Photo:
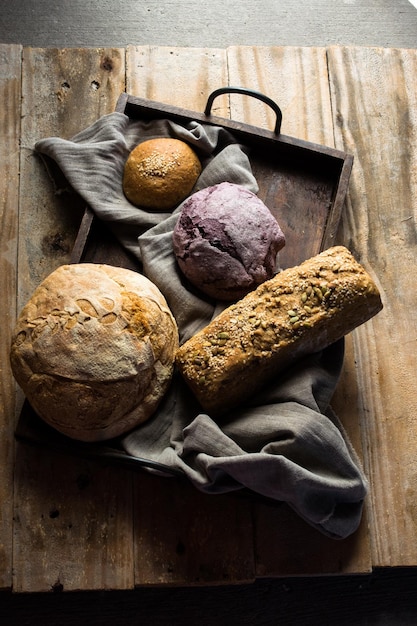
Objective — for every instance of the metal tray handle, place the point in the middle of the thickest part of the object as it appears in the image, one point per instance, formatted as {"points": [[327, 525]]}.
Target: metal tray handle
{"points": [[248, 92]]}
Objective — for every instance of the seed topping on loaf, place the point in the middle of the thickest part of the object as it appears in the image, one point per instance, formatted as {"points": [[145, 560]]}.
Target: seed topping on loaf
{"points": [[301, 310], [158, 165]]}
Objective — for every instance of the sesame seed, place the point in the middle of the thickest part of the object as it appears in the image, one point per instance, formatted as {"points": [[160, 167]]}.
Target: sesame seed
{"points": [[157, 165]]}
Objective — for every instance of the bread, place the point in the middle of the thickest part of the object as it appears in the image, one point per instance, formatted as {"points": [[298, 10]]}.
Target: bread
{"points": [[93, 350], [160, 173], [299, 311], [226, 241]]}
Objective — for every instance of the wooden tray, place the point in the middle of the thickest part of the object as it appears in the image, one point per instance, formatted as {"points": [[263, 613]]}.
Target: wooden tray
{"points": [[303, 184]]}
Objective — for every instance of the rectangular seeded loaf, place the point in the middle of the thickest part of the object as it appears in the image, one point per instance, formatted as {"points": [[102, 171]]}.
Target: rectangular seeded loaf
{"points": [[300, 311]]}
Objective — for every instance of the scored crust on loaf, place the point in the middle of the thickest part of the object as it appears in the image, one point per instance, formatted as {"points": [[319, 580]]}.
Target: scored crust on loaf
{"points": [[93, 350], [161, 172], [298, 312]]}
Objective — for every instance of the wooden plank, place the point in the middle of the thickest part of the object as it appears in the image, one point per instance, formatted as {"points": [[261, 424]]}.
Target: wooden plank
{"points": [[65, 91], [375, 113], [183, 77], [73, 528], [189, 538], [10, 70], [297, 80], [73, 518], [300, 550], [183, 537]]}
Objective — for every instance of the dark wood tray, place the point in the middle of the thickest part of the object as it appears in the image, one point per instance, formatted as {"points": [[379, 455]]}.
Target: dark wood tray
{"points": [[303, 184]]}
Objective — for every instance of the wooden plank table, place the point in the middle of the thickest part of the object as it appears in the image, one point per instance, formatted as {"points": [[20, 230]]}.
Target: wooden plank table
{"points": [[73, 524]]}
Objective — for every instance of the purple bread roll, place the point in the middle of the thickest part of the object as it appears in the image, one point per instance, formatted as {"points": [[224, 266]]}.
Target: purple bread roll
{"points": [[226, 241]]}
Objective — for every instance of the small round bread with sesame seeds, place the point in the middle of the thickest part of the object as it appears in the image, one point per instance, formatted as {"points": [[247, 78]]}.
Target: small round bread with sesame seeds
{"points": [[160, 173]]}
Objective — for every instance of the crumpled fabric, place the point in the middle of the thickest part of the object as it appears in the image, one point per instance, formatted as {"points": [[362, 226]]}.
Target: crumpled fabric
{"points": [[286, 444]]}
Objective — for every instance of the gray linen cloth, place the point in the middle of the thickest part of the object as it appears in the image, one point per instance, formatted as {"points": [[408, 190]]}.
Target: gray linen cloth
{"points": [[286, 444]]}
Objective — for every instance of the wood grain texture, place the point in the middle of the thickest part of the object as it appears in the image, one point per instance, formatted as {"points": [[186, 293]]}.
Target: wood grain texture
{"points": [[375, 114], [181, 535], [181, 77], [297, 79], [184, 537], [64, 91], [194, 23], [73, 526], [73, 519], [10, 86]]}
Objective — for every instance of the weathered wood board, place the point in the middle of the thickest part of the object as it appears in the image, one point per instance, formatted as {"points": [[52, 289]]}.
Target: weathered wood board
{"points": [[182, 77], [73, 520], [187, 537], [374, 93], [295, 78], [10, 86], [63, 92]]}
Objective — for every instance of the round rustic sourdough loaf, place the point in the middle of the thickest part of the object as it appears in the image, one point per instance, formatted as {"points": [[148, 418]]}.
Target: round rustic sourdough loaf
{"points": [[160, 173], [93, 350]]}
